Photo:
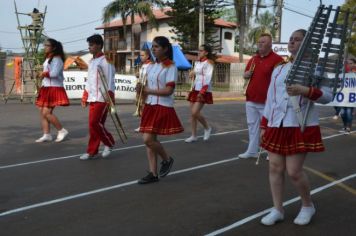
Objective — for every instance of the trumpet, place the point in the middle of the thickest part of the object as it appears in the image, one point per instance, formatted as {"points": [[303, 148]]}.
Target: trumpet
{"points": [[140, 99], [112, 110], [247, 81]]}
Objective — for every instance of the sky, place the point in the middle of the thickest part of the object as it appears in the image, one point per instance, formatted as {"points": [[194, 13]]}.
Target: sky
{"points": [[72, 21]]}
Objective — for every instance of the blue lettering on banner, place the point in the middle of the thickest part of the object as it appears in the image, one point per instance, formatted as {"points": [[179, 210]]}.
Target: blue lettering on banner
{"points": [[339, 97], [350, 82], [352, 97]]}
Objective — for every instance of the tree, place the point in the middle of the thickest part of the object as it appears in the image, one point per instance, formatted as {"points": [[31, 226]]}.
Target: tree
{"points": [[185, 21], [351, 5], [243, 10], [264, 24], [126, 8]]}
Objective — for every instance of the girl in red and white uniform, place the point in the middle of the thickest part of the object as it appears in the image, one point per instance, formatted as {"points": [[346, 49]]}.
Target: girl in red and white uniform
{"points": [[201, 91], [146, 62], [98, 108], [282, 137], [52, 92], [159, 116]]}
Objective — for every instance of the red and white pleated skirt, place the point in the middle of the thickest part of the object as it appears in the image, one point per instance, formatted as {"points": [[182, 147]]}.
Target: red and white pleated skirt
{"points": [[207, 97], [52, 97], [290, 140], [161, 120]]}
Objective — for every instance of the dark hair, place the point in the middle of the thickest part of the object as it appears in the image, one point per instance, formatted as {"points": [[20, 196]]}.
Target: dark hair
{"points": [[164, 43], [209, 50], [302, 31], [96, 39], [57, 49], [148, 52], [353, 60], [35, 10]]}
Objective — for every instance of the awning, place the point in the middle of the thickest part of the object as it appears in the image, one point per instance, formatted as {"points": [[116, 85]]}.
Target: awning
{"points": [[178, 57]]}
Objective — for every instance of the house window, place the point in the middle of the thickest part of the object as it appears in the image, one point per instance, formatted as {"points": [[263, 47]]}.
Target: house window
{"points": [[228, 35]]}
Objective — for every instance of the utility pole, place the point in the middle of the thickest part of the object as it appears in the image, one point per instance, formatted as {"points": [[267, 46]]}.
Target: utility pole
{"points": [[201, 23], [278, 21]]}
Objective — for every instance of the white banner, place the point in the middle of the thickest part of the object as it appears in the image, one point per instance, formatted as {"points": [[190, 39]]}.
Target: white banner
{"points": [[74, 84], [280, 49], [347, 96]]}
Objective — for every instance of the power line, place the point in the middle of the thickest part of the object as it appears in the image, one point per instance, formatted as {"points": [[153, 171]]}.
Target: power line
{"points": [[55, 30], [288, 9], [73, 41], [9, 32], [74, 26], [301, 9]]}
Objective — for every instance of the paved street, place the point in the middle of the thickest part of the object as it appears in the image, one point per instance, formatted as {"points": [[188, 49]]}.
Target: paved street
{"points": [[46, 190]]}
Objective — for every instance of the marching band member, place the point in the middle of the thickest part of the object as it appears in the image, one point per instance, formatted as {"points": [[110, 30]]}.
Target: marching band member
{"points": [[201, 91], [256, 92], [282, 137], [52, 92], [159, 116], [92, 96], [146, 61]]}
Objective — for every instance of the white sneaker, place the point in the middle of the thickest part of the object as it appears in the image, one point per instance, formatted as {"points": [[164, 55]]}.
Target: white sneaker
{"points": [[137, 130], [86, 156], [305, 215], [191, 139], [44, 138], [273, 217], [247, 155], [335, 117], [267, 158], [62, 134], [207, 133], [106, 152]]}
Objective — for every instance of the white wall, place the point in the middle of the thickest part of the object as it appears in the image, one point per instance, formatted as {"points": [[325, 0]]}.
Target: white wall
{"points": [[228, 45]]}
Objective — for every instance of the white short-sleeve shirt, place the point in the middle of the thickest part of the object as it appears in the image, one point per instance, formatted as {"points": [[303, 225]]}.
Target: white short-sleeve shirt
{"points": [[158, 76]]}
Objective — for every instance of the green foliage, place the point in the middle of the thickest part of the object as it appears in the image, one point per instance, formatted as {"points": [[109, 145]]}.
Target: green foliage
{"points": [[185, 21], [228, 14], [40, 56], [126, 8], [350, 5], [263, 24]]}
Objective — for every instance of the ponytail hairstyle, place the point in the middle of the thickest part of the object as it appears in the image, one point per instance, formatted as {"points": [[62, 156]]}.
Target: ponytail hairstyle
{"points": [[164, 43], [209, 50], [57, 49]]}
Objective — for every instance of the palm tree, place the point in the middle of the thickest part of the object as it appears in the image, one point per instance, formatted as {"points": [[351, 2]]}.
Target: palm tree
{"points": [[264, 24], [243, 10], [126, 8]]}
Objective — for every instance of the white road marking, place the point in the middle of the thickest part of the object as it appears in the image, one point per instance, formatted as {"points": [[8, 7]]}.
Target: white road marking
{"points": [[118, 149], [261, 213], [41, 204]]}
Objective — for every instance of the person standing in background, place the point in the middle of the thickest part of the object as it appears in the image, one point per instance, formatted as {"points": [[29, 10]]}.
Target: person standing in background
{"points": [[346, 113], [146, 62], [258, 71]]}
